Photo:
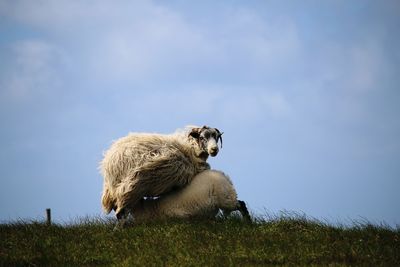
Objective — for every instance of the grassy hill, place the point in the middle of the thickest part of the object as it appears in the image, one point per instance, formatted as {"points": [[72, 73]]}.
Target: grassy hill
{"points": [[224, 242]]}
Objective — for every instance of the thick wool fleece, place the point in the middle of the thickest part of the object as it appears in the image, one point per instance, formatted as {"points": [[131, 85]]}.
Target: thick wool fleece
{"points": [[208, 192], [140, 165]]}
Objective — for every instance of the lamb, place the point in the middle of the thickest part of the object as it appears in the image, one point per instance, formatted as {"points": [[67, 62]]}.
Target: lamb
{"points": [[208, 192], [150, 165]]}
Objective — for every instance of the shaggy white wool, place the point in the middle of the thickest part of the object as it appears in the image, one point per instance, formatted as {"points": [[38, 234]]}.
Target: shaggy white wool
{"points": [[143, 164], [208, 192]]}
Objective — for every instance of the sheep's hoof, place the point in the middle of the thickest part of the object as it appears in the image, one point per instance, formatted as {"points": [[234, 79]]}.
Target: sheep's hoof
{"points": [[121, 224], [123, 218], [244, 211]]}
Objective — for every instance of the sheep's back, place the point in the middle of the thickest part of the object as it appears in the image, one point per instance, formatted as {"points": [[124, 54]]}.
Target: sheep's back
{"points": [[159, 161], [168, 169]]}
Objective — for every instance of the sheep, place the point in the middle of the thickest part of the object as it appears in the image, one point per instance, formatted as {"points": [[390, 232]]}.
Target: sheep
{"points": [[149, 165], [208, 192]]}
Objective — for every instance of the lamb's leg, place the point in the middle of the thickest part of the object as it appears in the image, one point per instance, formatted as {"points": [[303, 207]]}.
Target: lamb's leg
{"points": [[241, 207], [243, 210], [225, 213]]}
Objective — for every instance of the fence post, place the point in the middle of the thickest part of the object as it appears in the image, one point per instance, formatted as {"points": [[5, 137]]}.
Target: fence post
{"points": [[48, 216]]}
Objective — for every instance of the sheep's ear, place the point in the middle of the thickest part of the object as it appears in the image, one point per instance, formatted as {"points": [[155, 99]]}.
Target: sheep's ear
{"points": [[195, 133], [219, 135]]}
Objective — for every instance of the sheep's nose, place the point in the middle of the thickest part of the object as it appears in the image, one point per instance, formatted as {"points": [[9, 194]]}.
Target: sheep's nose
{"points": [[213, 151]]}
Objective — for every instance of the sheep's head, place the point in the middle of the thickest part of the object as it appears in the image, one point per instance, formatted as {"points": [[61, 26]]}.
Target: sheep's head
{"points": [[206, 139]]}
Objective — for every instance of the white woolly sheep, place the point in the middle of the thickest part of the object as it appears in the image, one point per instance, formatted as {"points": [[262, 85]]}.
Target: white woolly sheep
{"points": [[149, 165], [208, 192]]}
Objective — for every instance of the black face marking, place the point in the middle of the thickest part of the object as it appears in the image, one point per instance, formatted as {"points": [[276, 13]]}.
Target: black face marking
{"points": [[204, 134]]}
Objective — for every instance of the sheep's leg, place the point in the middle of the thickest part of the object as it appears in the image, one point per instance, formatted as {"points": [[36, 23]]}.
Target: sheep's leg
{"points": [[130, 193], [122, 214], [243, 210], [122, 218]]}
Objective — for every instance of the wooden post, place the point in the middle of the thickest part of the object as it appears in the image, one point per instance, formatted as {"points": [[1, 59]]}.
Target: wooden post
{"points": [[48, 216]]}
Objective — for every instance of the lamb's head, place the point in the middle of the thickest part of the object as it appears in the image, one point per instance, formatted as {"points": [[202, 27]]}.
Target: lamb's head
{"points": [[206, 141]]}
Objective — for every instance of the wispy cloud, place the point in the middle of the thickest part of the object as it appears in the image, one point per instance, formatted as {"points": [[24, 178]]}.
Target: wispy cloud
{"points": [[367, 67], [32, 69], [316, 82], [135, 40]]}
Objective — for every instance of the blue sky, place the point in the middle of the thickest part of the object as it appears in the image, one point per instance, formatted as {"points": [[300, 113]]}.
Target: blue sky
{"points": [[307, 93]]}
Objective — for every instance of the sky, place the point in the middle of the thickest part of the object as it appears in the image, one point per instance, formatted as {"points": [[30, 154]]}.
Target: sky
{"points": [[306, 93]]}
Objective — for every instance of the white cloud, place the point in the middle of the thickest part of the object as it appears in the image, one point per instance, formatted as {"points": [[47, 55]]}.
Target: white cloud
{"points": [[163, 42], [253, 107], [139, 40], [32, 70], [366, 66], [200, 104], [63, 15], [160, 43], [242, 104], [353, 68], [277, 104], [268, 43]]}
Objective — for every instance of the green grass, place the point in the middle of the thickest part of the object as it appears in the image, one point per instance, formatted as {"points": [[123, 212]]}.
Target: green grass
{"points": [[225, 242]]}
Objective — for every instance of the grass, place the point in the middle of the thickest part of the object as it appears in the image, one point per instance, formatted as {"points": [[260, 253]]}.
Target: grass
{"points": [[285, 240]]}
